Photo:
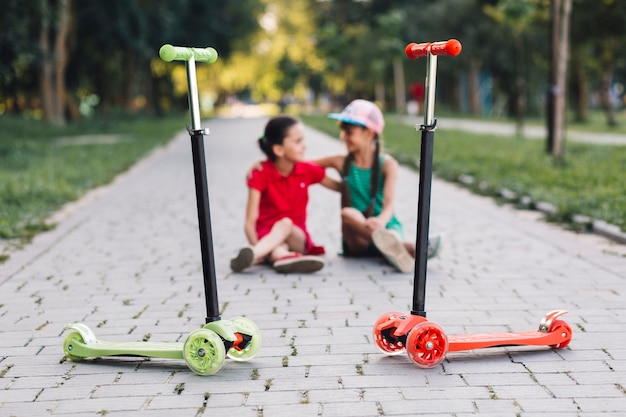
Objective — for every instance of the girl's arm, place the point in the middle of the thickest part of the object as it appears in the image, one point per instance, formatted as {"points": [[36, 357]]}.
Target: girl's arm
{"points": [[334, 161], [390, 176], [252, 214], [331, 183]]}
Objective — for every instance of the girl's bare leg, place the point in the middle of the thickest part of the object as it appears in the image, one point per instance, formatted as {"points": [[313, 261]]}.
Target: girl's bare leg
{"points": [[354, 230], [283, 239]]}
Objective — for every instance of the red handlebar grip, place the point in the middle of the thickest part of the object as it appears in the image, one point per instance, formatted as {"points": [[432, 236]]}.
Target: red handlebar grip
{"points": [[451, 47]]}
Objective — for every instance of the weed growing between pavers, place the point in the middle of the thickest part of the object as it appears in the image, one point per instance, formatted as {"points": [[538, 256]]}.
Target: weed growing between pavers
{"points": [[143, 310], [292, 344], [304, 397], [6, 369], [179, 388]]}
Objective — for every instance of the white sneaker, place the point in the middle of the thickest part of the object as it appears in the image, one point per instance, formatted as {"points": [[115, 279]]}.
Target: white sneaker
{"points": [[298, 263], [391, 246]]}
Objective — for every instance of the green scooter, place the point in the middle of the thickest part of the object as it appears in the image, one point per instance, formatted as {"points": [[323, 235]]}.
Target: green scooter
{"points": [[204, 350]]}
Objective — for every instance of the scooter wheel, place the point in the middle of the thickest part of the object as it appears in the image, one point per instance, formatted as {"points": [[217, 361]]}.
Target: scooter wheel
{"points": [[383, 336], [559, 326], [204, 352], [68, 345], [247, 330], [427, 344]]}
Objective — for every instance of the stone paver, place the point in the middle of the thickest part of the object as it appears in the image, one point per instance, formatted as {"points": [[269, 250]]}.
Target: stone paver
{"points": [[126, 261]]}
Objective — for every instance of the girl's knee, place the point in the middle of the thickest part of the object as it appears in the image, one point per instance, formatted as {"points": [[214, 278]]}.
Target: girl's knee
{"points": [[285, 223], [350, 213]]}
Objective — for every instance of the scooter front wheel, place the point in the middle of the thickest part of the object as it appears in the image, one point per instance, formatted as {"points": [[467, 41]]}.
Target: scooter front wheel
{"points": [[68, 345], [204, 352], [383, 334], [564, 329], [250, 340], [427, 345]]}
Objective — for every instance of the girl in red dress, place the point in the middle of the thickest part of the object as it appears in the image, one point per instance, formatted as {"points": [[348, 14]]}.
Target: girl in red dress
{"points": [[275, 224]]}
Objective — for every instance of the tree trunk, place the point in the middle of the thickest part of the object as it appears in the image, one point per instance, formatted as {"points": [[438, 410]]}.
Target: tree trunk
{"points": [[520, 105], [400, 86], [555, 23], [60, 58], [563, 55], [582, 102], [605, 96], [474, 87], [54, 64], [47, 68], [520, 87]]}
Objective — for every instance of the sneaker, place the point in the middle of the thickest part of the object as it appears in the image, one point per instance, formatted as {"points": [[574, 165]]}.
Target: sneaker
{"points": [[298, 263], [243, 260], [391, 246], [434, 245]]}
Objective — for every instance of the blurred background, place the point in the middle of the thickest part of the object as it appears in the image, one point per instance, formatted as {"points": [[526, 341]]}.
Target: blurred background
{"points": [[65, 60], [84, 95]]}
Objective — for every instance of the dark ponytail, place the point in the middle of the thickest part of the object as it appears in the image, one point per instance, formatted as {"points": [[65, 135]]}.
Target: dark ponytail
{"points": [[274, 134]]}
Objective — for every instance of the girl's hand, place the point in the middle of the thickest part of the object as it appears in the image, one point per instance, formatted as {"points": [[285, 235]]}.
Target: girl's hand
{"points": [[374, 223], [258, 165]]}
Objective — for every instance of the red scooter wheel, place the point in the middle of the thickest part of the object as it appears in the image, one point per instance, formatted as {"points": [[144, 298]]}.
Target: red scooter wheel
{"points": [[427, 344], [383, 334], [564, 329]]}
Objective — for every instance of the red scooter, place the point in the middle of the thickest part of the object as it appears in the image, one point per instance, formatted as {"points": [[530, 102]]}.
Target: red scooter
{"points": [[426, 342]]}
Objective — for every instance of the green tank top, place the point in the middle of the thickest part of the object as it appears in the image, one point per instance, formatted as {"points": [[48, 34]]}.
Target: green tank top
{"points": [[359, 186]]}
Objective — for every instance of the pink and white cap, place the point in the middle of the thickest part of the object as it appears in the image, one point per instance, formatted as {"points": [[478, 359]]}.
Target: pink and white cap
{"points": [[361, 113]]}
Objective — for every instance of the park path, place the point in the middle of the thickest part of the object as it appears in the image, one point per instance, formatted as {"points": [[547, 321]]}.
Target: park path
{"points": [[126, 262]]}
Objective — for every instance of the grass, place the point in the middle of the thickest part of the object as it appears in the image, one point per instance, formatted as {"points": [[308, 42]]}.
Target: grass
{"points": [[42, 167], [589, 181]]}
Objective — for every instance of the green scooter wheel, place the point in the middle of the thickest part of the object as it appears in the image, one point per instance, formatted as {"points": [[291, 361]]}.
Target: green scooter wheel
{"points": [[204, 352], [245, 326], [68, 345]]}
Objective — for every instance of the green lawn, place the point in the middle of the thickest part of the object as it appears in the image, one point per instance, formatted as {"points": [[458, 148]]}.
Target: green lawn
{"points": [[42, 168], [590, 181]]}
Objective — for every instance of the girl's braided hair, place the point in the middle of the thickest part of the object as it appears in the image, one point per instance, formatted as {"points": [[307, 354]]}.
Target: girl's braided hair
{"points": [[346, 201]]}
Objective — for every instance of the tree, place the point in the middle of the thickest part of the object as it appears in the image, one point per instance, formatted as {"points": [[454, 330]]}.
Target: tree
{"points": [[53, 41]]}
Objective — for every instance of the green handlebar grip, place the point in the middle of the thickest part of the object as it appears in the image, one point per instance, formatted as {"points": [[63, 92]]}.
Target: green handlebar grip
{"points": [[169, 53]]}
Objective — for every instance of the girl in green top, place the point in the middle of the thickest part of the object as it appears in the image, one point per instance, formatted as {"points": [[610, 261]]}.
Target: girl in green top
{"points": [[368, 222]]}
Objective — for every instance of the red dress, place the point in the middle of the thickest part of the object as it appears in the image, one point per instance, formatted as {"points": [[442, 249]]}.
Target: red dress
{"points": [[285, 195]]}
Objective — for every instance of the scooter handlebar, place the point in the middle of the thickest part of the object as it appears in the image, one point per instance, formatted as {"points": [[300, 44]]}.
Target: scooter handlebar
{"points": [[450, 47], [170, 53]]}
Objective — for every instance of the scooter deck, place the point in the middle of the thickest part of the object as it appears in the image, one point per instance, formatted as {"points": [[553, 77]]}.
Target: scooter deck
{"points": [[486, 340], [144, 349]]}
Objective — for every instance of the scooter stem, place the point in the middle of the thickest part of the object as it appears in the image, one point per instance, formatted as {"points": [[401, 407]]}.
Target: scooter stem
{"points": [[423, 205]]}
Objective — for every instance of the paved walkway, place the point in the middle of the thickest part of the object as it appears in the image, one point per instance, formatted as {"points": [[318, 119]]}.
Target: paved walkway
{"points": [[528, 131], [126, 262]]}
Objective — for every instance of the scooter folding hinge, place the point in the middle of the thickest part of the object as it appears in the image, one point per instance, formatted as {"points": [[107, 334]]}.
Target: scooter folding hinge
{"points": [[428, 127], [546, 322], [192, 132]]}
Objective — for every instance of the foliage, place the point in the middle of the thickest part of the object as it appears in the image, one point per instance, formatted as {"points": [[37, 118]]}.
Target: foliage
{"points": [[586, 185], [339, 49], [42, 168]]}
